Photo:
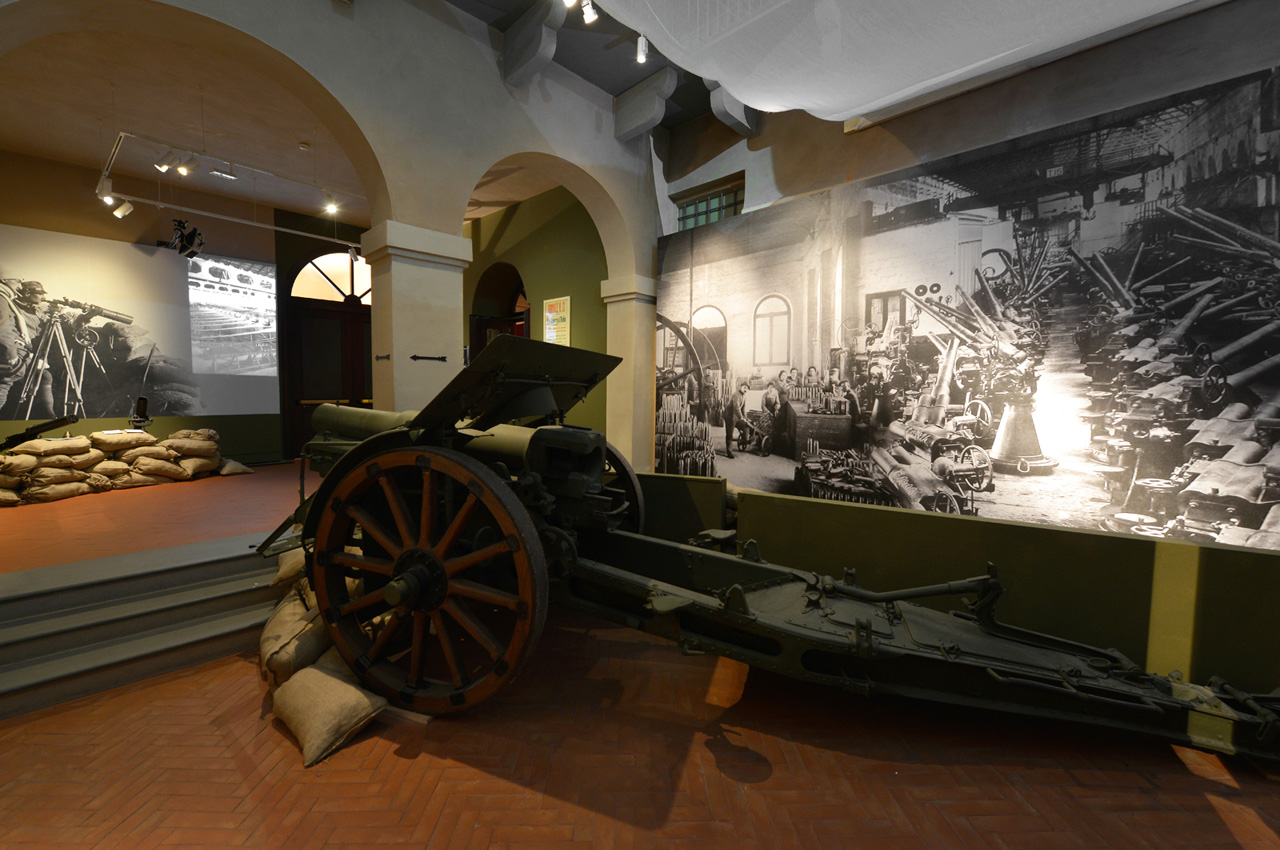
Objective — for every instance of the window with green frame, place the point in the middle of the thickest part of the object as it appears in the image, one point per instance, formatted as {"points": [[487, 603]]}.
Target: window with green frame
{"points": [[705, 209]]}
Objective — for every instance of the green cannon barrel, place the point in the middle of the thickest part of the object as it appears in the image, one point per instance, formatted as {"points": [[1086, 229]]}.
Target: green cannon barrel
{"points": [[356, 423], [338, 430]]}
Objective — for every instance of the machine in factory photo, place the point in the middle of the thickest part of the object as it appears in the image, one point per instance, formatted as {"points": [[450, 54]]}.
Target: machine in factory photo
{"points": [[1081, 328]]}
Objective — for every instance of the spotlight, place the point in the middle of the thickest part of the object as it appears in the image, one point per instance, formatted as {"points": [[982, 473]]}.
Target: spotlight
{"points": [[228, 174], [104, 190], [330, 205], [569, 4], [642, 50], [122, 210], [169, 160], [588, 12], [190, 166]]}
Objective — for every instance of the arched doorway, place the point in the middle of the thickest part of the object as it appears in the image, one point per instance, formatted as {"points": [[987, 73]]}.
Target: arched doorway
{"points": [[329, 359], [614, 312], [530, 254], [499, 306]]}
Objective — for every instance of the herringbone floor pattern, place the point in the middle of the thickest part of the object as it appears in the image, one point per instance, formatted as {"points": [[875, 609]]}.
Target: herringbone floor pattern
{"points": [[610, 740]]}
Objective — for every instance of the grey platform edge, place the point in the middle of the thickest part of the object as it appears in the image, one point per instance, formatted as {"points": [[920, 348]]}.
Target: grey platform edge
{"points": [[77, 629]]}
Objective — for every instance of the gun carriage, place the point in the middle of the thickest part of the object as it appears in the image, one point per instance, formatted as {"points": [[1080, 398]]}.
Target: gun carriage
{"points": [[437, 539]]}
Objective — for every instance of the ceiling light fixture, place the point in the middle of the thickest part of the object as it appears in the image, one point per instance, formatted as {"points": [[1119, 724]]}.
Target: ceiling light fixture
{"points": [[330, 205], [169, 160], [122, 210], [191, 166], [642, 50], [588, 12], [229, 173], [104, 190]]}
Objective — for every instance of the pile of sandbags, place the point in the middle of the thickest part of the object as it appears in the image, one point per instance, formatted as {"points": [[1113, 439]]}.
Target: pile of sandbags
{"points": [[49, 469], [53, 468], [313, 690]]}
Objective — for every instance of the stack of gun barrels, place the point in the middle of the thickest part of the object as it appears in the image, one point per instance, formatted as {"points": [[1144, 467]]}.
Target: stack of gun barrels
{"points": [[1182, 348], [921, 409], [683, 443]]}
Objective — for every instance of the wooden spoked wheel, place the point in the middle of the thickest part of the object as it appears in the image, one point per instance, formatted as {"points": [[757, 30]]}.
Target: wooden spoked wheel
{"points": [[430, 577]]}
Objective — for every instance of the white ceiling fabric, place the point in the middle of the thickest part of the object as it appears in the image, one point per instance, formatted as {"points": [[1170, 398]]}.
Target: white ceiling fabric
{"points": [[839, 59]]}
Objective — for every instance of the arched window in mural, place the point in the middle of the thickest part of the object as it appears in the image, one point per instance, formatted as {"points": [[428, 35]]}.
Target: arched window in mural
{"points": [[710, 337], [343, 276], [772, 332]]}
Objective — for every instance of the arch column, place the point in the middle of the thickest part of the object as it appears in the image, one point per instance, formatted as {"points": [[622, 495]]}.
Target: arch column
{"points": [[629, 408], [416, 309]]}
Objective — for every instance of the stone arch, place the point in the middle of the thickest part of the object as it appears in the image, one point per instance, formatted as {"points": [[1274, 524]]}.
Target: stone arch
{"points": [[25, 21], [621, 254]]}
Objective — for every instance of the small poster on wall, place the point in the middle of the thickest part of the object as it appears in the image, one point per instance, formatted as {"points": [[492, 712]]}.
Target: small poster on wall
{"points": [[555, 320]]}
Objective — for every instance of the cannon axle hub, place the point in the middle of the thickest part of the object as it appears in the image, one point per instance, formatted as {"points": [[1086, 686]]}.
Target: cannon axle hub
{"points": [[420, 581]]}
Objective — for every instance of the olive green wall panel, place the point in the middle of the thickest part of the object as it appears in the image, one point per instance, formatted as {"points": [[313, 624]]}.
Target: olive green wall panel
{"points": [[1236, 618], [1094, 588], [677, 507]]}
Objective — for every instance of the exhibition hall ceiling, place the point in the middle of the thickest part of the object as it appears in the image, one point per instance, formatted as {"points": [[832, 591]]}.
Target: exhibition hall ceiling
{"points": [[69, 94]]}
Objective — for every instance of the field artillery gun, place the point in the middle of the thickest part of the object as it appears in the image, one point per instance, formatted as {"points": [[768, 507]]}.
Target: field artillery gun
{"points": [[433, 549]]}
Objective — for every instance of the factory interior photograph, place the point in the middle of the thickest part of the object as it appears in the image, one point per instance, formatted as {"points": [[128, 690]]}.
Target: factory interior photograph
{"points": [[639, 423]]}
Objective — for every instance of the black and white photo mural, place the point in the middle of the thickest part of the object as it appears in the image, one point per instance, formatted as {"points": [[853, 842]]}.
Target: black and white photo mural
{"points": [[1081, 328]]}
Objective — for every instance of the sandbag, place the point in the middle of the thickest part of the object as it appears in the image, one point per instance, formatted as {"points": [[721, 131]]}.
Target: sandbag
{"points": [[292, 639], [54, 475], [289, 565], [155, 466], [233, 467], [157, 452], [110, 468], [98, 483], [17, 464], [195, 434], [192, 448], [200, 465], [53, 460], [11, 482], [54, 446], [323, 710], [137, 479], [9, 498], [55, 492], [114, 441], [88, 459]]}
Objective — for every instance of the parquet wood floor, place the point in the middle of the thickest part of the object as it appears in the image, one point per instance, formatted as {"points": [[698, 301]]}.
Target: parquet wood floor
{"points": [[121, 522], [611, 740]]}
